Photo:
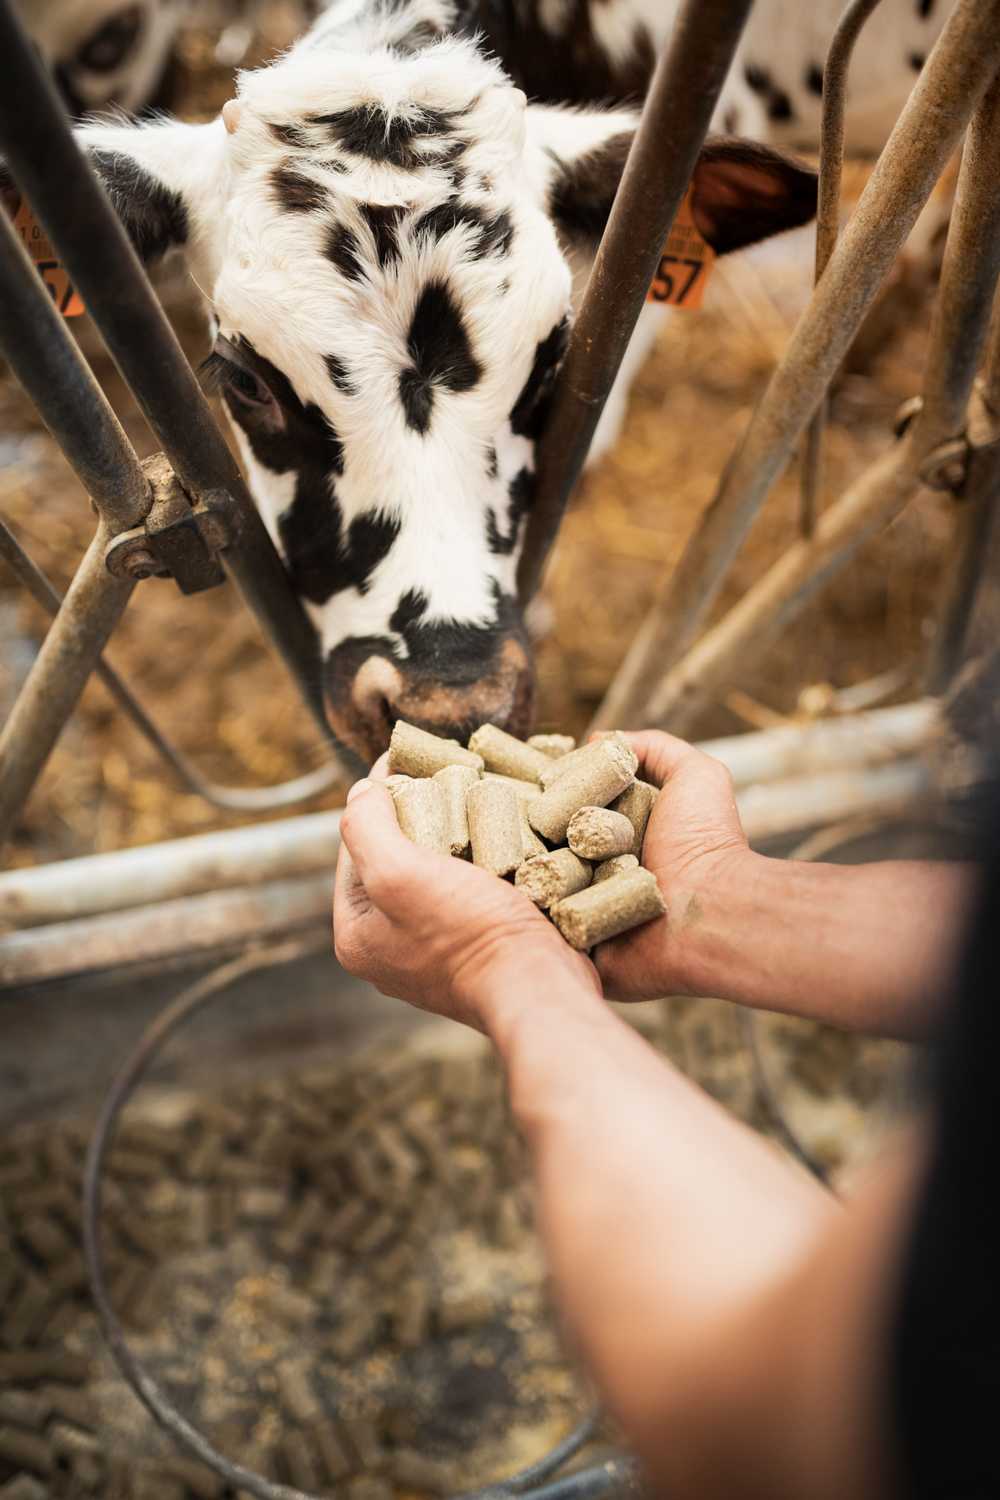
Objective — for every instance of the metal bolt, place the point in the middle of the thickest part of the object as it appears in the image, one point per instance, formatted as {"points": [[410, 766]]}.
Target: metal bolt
{"points": [[140, 563]]}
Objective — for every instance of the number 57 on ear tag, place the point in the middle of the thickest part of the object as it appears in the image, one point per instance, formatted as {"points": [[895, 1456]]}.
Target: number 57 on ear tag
{"points": [[47, 263], [685, 264]]}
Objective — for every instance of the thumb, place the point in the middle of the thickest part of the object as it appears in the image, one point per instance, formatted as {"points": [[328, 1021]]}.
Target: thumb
{"points": [[381, 853]]}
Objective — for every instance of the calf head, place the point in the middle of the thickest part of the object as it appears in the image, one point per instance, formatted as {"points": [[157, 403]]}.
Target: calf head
{"points": [[103, 51], [383, 239]]}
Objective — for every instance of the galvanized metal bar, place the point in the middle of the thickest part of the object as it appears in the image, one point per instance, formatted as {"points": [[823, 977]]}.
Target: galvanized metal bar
{"points": [[236, 857], [36, 344], [678, 108], [831, 172], [954, 80], [226, 920], [959, 327], [196, 926], [66, 196], [90, 611], [227, 798]]}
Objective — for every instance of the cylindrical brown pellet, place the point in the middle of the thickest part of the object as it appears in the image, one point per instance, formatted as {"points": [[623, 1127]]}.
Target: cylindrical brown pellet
{"points": [[609, 868], [599, 833], [550, 877], [637, 804], [420, 812], [531, 844], [495, 827], [414, 752], [601, 772], [563, 763], [604, 911], [552, 745], [455, 782], [509, 756], [526, 791]]}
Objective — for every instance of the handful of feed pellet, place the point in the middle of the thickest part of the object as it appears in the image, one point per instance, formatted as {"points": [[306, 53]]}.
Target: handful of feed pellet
{"points": [[567, 824]]}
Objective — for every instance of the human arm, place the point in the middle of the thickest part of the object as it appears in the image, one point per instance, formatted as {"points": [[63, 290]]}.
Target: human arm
{"points": [[867, 947], [722, 1307]]}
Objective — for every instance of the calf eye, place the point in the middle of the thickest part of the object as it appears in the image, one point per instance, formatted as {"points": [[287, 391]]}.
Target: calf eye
{"points": [[109, 46], [245, 388]]}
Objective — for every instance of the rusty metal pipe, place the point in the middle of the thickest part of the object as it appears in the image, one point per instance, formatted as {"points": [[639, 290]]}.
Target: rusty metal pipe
{"points": [[71, 650], [929, 448], [831, 172], [65, 195], [954, 80], [36, 344], [675, 119], [227, 798]]}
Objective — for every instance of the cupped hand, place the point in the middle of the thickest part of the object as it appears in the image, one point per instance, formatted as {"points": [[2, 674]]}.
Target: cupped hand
{"points": [[694, 844], [435, 931]]}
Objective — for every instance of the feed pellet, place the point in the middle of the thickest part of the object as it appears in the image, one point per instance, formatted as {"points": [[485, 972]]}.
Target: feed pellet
{"points": [[569, 842]]}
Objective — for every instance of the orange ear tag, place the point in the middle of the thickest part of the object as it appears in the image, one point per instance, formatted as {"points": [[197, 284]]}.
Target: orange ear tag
{"points": [[685, 265], [42, 252]]}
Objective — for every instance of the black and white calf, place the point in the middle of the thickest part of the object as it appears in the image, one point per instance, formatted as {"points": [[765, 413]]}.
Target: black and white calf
{"points": [[104, 52], [384, 230]]}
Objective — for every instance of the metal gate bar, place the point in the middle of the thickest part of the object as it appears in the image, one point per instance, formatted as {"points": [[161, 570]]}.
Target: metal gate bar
{"points": [[675, 119], [226, 798], [72, 205], [955, 78], [934, 449]]}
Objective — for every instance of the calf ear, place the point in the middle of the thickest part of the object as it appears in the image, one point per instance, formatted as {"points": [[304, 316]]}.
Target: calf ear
{"points": [[742, 191], [156, 176]]}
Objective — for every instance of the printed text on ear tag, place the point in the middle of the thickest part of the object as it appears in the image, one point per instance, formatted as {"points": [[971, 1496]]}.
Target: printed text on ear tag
{"points": [[685, 264], [42, 252]]}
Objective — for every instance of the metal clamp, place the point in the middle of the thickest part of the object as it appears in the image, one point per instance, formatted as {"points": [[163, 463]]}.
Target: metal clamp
{"points": [[180, 538]]}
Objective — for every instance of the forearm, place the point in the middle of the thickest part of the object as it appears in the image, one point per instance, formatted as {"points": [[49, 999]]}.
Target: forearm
{"points": [[866, 947], [661, 1215]]}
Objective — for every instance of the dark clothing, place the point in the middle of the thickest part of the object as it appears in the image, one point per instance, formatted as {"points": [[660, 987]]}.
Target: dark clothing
{"points": [[946, 1350]]}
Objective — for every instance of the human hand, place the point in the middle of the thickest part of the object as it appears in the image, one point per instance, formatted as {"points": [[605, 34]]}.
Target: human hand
{"points": [[694, 844], [437, 931]]}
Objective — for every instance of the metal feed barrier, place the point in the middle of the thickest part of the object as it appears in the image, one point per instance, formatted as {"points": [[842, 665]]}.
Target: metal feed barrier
{"points": [[187, 512]]}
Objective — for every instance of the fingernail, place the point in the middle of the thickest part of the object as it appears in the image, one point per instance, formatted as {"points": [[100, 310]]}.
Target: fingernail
{"points": [[364, 785]]}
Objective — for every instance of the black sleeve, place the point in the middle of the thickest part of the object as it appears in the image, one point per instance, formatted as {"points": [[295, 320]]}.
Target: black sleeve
{"points": [[946, 1346]]}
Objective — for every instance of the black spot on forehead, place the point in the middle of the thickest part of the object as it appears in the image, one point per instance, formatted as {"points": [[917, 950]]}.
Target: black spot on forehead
{"points": [[320, 559], [528, 414], [758, 78], [441, 355], [814, 79], [391, 139], [492, 234], [383, 221], [338, 374], [296, 193], [343, 250], [521, 493], [288, 135]]}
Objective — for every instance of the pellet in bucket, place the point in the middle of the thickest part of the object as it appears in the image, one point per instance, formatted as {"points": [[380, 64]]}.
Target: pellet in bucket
{"points": [[637, 804], [420, 812], [509, 756], [414, 752], [455, 782], [609, 868], [552, 745], [598, 833], [495, 827], [601, 772], [549, 877], [608, 909]]}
